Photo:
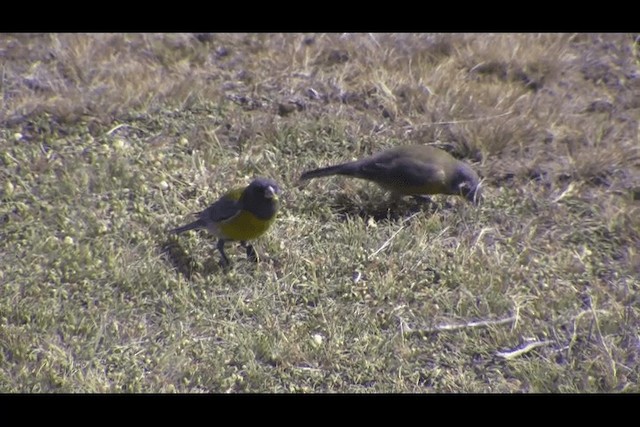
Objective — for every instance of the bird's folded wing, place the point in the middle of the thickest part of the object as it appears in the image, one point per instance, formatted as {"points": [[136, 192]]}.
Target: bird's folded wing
{"points": [[222, 210], [410, 172]]}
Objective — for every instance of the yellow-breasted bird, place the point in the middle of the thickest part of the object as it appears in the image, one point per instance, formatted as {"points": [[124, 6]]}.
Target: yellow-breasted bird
{"points": [[408, 170], [242, 214]]}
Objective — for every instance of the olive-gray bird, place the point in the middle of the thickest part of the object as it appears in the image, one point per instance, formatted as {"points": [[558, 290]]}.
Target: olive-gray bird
{"points": [[408, 170]]}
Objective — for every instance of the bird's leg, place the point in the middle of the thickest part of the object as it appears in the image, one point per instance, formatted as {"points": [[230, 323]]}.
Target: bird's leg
{"points": [[251, 253], [424, 202], [224, 261]]}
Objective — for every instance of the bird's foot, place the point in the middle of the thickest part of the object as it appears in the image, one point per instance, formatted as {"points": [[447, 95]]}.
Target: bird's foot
{"points": [[251, 252]]}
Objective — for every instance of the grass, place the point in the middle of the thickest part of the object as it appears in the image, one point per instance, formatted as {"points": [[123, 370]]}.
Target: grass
{"points": [[108, 141]]}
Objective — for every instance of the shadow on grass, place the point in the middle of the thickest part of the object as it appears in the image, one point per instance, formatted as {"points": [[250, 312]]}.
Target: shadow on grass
{"points": [[185, 263], [388, 210]]}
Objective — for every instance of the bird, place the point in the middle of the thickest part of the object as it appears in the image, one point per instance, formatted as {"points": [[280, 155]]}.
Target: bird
{"points": [[410, 170], [241, 214]]}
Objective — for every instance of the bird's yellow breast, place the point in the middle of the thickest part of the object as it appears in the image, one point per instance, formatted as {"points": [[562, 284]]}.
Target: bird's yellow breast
{"points": [[244, 226]]}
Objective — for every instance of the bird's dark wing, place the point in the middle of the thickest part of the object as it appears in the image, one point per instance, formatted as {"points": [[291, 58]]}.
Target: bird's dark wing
{"points": [[222, 210], [405, 170]]}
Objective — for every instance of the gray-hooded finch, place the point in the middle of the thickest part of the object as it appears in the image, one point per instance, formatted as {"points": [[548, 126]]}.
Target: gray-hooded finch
{"points": [[241, 214]]}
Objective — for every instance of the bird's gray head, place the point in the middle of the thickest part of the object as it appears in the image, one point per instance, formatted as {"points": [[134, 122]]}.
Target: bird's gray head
{"points": [[265, 188], [261, 198]]}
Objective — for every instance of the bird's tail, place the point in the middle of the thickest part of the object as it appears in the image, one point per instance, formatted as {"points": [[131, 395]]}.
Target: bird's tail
{"points": [[343, 169], [191, 226]]}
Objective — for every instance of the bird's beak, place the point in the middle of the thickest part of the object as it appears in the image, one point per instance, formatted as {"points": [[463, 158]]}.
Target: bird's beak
{"points": [[271, 193], [474, 195]]}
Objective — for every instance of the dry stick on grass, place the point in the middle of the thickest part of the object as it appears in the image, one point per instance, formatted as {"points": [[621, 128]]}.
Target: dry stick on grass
{"points": [[568, 191], [457, 122], [386, 243], [455, 326], [512, 354], [121, 125], [483, 231]]}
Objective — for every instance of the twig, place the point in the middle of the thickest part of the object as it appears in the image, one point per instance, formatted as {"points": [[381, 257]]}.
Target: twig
{"points": [[456, 122], [307, 368], [110, 131], [565, 193], [483, 231], [508, 355], [386, 243], [115, 128], [456, 326]]}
